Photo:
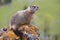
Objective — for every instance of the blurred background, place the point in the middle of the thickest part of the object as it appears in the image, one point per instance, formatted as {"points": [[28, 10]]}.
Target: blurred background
{"points": [[47, 18]]}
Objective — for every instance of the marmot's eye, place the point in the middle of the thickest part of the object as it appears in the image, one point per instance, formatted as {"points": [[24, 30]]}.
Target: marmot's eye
{"points": [[5, 29], [33, 6]]}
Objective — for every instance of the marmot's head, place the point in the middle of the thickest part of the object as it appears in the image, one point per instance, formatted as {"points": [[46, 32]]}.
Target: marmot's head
{"points": [[33, 8]]}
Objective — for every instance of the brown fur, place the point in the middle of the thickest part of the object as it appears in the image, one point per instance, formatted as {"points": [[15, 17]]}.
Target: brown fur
{"points": [[23, 17]]}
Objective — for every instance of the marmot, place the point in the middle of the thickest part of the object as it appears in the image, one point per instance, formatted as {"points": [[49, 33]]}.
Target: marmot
{"points": [[23, 17]]}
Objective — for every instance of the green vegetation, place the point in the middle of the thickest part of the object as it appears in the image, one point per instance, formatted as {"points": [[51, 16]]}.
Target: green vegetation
{"points": [[49, 8]]}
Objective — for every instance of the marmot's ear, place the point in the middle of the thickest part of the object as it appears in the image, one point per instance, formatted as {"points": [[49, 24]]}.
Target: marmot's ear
{"points": [[25, 7]]}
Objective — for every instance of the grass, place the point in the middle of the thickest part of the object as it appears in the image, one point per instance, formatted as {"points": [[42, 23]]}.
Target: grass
{"points": [[49, 8]]}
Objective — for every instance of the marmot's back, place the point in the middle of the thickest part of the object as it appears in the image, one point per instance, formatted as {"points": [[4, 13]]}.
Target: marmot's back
{"points": [[21, 18]]}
